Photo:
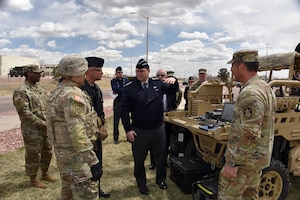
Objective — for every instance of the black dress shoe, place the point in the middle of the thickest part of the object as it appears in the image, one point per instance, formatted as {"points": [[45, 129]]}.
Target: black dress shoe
{"points": [[152, 166], [162, 185], [104, 194], [143, 190]]}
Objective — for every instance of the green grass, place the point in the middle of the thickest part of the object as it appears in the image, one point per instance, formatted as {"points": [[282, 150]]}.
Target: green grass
{"points": [[117, 179]]}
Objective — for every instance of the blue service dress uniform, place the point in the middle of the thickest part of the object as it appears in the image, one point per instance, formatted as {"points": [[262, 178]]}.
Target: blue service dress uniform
{"points": [[117, 85], [146, 111]]}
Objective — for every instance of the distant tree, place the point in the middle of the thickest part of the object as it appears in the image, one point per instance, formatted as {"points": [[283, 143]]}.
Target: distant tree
{"points": [[298, 48], [223, 74], [55, 75]]}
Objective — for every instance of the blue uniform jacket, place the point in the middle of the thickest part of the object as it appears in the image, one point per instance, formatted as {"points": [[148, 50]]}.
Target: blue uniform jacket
{"points": [[146, 109], [117, 85], [96, 96]]}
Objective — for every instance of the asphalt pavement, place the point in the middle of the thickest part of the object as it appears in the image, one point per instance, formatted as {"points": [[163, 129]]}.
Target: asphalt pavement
{"points": [[10, 121]]}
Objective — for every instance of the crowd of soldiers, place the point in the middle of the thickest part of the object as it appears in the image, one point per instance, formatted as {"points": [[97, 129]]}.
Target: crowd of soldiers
{"points": [[71, 119]]}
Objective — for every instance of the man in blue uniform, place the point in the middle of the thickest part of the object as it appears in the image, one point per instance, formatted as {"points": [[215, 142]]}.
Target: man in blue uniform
{"points": [[142, 118], [93, 74], [117, 85]]}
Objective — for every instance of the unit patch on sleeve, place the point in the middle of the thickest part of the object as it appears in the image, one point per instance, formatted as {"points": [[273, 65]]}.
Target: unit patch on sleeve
{"points": [[249, 113]]}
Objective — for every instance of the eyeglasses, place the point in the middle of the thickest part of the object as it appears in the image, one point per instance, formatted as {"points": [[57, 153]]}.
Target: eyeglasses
{"points": [[162, 75]]}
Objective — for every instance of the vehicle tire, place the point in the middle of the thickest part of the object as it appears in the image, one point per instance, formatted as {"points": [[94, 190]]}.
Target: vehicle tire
{"points": [[274, 182]]}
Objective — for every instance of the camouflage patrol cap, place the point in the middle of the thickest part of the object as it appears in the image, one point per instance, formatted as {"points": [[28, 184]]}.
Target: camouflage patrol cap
{"points": [[72, 66], [202, 71], [170, 73], [32, 68], [244, 56]]}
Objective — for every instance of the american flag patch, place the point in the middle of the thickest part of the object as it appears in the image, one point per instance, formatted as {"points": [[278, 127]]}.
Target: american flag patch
{"points": [[17, 97], [79, 99]]}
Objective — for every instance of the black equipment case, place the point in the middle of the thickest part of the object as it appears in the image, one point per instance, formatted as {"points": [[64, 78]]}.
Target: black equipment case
{"points": [[205, 189], [185, 171]]}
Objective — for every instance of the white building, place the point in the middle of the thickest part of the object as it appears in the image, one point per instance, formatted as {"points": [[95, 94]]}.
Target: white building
{"points": [[48, 69], [8, 62]]}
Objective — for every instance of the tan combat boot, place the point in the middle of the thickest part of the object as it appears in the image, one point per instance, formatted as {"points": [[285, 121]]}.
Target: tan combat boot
{"points": [[34, 182], [47, 177]]}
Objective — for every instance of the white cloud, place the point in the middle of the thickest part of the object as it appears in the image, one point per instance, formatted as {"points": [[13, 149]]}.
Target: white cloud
{"points": [[3, 34], [183, 35], [3, 14], [124, 27], [54, 30], [16, 5], [4, 42], [121, 44], [194, 35], [46, 29], [51, 44]]}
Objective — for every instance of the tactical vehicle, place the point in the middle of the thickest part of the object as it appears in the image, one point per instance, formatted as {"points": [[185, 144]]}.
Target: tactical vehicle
{"points": [[16, 71], [204, 130]]}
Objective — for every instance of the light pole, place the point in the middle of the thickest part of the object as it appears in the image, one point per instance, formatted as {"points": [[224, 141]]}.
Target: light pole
{"points": [[147, 36], [267, 48]]}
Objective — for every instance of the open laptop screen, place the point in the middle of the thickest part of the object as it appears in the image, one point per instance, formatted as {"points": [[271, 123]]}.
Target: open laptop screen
{"points": [[227, 112]]}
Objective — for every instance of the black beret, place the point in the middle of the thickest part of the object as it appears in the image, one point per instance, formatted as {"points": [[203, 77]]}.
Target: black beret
{"points": [[95, 61], [142, 64], [119, 68]]}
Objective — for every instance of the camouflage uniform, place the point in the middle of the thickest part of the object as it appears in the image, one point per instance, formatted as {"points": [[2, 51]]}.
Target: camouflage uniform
{"points": [[250, 140], [198, 83], [195, 85], [30, 101], [72, 122]]}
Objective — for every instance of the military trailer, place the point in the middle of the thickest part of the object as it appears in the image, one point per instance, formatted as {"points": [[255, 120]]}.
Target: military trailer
{"points": [[205, 125]]}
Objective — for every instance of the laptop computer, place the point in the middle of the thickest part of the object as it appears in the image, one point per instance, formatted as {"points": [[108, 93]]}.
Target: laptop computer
{"points": [[227, 112]]}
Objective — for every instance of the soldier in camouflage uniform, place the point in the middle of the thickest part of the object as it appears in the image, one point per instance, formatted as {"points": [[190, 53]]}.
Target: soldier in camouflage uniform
{"points": [[72, 122], [202, 78], [30, 100], [250, 139]]}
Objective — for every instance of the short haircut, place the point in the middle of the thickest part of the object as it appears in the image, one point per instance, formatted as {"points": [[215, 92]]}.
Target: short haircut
{"points": [[252, 66]]}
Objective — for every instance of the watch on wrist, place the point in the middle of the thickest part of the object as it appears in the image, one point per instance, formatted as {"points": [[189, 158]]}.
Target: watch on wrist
{"points": [[232, 164]]}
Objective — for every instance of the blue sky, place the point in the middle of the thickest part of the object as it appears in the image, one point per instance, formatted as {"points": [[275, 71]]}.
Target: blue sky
{"points": [[183, 35]]}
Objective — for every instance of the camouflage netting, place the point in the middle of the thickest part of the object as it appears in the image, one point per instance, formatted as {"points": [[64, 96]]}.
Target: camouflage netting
{"points": [[278, 61]]}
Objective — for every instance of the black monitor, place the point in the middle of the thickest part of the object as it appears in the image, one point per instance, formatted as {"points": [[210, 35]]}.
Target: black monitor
{"points": [[227, 112]]}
